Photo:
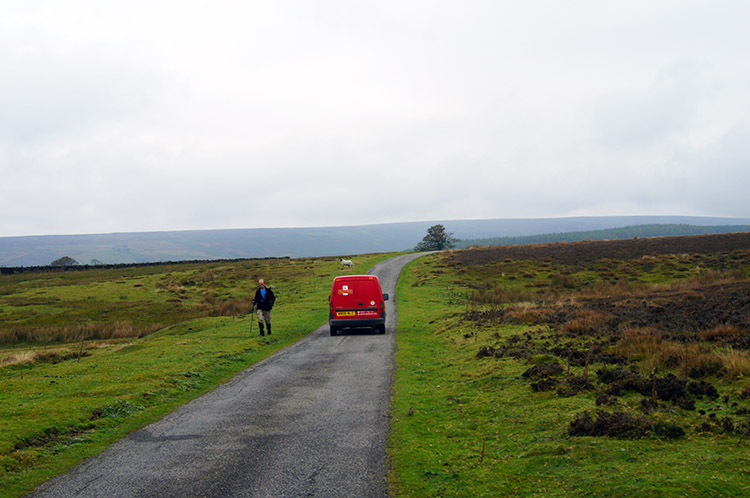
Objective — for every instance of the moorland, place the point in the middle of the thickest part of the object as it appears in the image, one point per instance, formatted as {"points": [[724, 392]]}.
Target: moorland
{"points": [[140, 247], [86, 357], [607, 368]]}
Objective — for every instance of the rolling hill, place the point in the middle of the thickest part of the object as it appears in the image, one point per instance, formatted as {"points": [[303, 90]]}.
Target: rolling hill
{"points": [[145, 247]]}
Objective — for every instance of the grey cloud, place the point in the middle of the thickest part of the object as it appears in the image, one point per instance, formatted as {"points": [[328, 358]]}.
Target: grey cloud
{"points": [[669, 105], [51, 94], [178, 115]]}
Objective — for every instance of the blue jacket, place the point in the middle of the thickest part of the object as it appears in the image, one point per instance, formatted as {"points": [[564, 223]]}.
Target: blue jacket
{"points": [[264, 304]]}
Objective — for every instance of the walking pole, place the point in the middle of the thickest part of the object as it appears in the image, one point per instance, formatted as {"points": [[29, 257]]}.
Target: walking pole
{"points": [[252, 319]]}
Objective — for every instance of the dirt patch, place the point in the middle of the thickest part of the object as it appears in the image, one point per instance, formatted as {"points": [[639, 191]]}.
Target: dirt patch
{"points": [[622, 425], [489, 352], [667, 388], [575, 385], [583, 357], [708, 307], [703, 388], [545, 384], [544, 370], [51, 435], [724, 425]]}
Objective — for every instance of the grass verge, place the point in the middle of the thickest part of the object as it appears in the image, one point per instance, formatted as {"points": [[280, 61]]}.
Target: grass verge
{"points": [[467, 425]]}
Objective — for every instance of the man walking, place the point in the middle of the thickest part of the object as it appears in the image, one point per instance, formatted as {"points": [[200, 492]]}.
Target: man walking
{"points": [[263, 302]]}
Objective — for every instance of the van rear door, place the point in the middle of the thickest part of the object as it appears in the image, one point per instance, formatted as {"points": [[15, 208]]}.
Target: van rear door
{"points": [[357, 301], [357, 296]]}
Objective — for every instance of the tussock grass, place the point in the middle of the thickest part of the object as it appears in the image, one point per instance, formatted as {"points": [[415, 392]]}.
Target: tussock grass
{"points": [[586, 323], [76, 332], [529, 313], [721, 332], [45, 356], [736, 364], [647, 347], [19, 358], [638, 343]]}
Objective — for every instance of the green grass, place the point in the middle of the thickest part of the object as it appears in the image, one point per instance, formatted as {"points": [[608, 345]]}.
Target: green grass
{"points": [[463, 426], [53, 415]]}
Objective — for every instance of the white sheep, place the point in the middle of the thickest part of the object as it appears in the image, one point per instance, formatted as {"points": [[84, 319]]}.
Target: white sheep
{"points": [[346, 262]]}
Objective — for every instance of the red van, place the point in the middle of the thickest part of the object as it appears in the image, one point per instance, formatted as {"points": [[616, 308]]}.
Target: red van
{"points": [[356, 301]]}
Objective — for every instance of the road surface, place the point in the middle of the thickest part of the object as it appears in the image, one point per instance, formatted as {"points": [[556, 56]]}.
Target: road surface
{"points": [[310, 421]]}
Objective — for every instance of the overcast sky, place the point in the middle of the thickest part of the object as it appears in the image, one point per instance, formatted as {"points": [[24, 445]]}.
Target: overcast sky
{"points": [[173, 115]]}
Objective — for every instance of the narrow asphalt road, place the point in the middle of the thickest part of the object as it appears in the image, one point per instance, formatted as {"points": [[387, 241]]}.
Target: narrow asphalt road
{"points": [[311, 420]]}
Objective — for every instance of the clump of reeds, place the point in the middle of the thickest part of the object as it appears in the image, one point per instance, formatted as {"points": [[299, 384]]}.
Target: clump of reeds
{"points": [[735, 363], [48, 356], [636, 343], [18, 358], [720, 332], [586, 322], [233, 307], [76, 332], [498, 295], [528, 313], [646, 346]]}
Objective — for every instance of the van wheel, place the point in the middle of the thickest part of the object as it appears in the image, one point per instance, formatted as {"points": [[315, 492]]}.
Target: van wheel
{"points": [[381, 329], [334, 330]]}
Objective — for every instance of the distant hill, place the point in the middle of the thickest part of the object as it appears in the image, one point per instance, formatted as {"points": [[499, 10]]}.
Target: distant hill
{"points": [[635, 231], [146, 247]]}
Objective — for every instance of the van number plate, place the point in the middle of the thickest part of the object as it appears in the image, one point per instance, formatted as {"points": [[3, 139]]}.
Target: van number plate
{"points": [[345, 313]]}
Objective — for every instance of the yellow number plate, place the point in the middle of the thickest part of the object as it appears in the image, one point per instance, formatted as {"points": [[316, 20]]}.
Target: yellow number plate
{"points": [[345, 313]]}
